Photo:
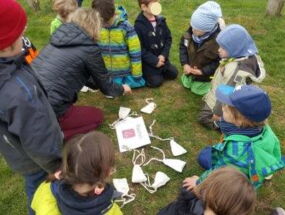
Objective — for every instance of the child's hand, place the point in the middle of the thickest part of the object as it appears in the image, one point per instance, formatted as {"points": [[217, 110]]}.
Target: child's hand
{"points": [[161, 58], [196, 71], [127, 89], [216, 118], [187, 69], [190, 183], [159, 64]]}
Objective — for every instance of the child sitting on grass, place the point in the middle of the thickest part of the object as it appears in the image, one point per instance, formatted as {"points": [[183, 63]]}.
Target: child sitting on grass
{"points": [[199, 50], [82, 189], [225, 192], [119, 44], [155, 38], [249, 143], [63, 8], [240, 65]]}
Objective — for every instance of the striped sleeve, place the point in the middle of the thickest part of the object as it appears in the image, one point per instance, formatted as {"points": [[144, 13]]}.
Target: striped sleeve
{"points": [[134, 47]]}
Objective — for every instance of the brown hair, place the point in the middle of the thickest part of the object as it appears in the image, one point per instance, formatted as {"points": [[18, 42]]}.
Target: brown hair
{"points": [[106, 8], [227, 191], [89, 20], [64, 7], [88, 159], [240, 120], [145, 2]]}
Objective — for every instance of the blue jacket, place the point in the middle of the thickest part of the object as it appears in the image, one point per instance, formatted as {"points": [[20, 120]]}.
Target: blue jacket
{"points": [[30, 137], [153, 42]]}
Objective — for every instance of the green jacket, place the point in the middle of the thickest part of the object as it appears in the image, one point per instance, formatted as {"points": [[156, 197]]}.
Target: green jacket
{"points": [[257, 157]]}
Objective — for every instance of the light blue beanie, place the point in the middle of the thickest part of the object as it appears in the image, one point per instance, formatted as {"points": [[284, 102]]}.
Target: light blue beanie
{"points": [[236, 41], [206, 16]]}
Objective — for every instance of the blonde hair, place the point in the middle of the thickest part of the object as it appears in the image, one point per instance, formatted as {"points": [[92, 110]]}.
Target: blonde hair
{"points": [[64, 7], [227, 191], [240, 120], [89, 20]]}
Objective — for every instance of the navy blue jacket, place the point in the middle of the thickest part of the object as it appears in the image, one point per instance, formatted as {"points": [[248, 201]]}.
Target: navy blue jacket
{"points": [[30, 137], [186, 204], [71, 203], [70, 61], [154, 42]]}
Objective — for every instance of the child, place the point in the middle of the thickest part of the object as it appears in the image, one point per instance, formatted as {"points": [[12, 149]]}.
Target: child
{"points": [[240, 65], [155, 38], [249, 144], [225, 192], [30, 137], [198, 48], [119, 44], [63, 8], [83, 189]]}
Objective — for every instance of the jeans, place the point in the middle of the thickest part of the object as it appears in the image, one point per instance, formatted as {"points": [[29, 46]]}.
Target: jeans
{"points": [[32, 181]]}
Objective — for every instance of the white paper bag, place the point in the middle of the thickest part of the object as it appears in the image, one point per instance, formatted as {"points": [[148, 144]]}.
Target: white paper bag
{"points": [[132, 134]]}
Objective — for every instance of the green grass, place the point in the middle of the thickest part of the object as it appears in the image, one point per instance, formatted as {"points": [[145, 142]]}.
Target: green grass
{"points": [[177, 108]]}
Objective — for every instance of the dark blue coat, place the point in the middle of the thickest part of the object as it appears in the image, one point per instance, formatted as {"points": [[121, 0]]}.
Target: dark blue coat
{"points": [[186, 204], [30, 137], [154, 42]]}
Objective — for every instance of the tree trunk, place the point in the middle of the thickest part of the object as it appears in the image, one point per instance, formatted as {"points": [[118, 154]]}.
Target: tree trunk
{"points": [[274, 7], [35, 4]]}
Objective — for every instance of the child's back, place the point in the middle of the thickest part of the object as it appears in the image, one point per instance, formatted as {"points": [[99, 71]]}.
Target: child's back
{"points": [[87, 162]]}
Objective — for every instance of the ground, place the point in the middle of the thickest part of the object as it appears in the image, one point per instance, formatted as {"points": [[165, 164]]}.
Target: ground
{"points": [[177, 108]]}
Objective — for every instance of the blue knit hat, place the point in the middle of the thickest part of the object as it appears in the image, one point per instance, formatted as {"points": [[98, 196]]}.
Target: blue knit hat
{"points": [[206, 16], [236, 41]]}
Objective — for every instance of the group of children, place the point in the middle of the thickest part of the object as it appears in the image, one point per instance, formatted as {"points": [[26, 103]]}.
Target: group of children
{"points": [[219, 62]]}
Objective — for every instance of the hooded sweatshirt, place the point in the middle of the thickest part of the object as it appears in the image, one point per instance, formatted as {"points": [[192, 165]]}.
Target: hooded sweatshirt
{"points": [[58, 198], [120, 47]]}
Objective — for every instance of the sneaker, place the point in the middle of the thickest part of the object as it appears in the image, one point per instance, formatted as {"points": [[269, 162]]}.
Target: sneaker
{"points": [[109, 97], [84, 89], [278, 211]]}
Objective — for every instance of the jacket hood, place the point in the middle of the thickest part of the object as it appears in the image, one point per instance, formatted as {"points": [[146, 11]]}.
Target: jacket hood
{"points": [[69, 34], [122, 16], [8, 66], [143, 20], [255, 66], [71, 203]]}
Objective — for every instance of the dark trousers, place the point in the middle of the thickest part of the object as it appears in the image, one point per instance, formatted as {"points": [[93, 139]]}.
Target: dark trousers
{"points": [[154, 77], [79, 2], [205, 117], [80, 120], [32, 181]]}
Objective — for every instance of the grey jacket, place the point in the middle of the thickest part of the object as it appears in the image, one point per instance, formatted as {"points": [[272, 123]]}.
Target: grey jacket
{"points": [[30, 137], [67, 64]]}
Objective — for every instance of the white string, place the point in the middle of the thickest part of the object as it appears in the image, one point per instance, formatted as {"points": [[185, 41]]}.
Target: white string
{"points": [[141, 155], [151, 134], [149, 100], [126, 199], [148, 186], [113, 125], [156, 159]]}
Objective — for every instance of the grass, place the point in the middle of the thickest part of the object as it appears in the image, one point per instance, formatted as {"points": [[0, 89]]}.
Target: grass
{"points": [[177, 108]]}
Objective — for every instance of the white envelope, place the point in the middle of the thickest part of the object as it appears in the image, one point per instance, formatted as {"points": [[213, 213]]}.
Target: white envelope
{"points": [[132, 134]]}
